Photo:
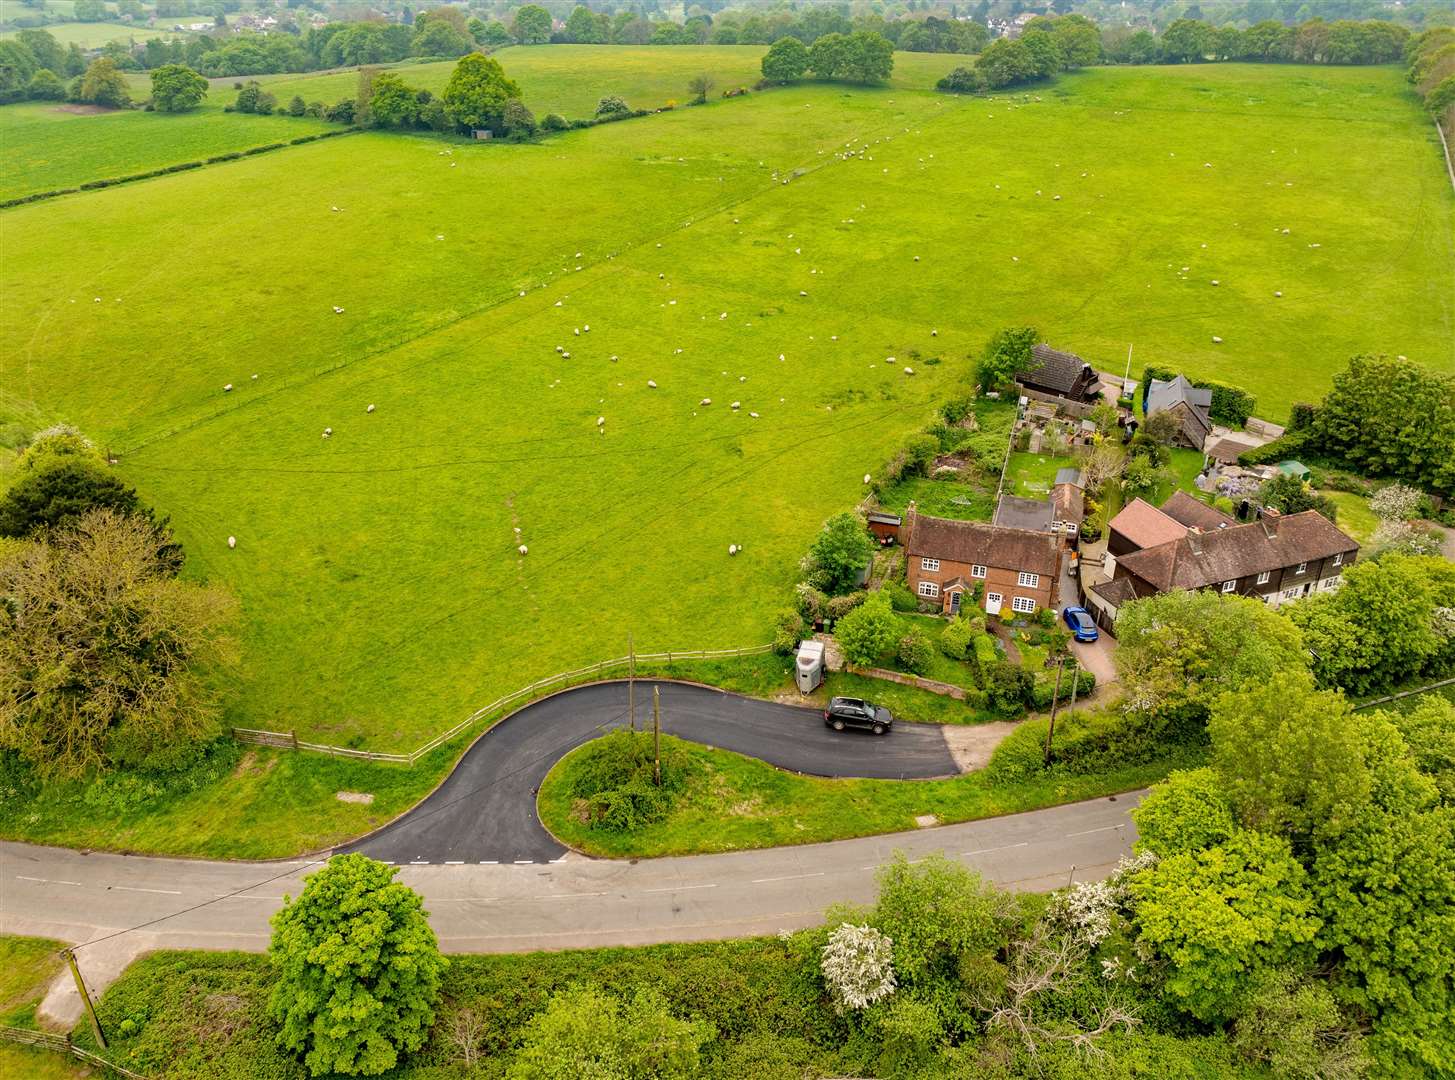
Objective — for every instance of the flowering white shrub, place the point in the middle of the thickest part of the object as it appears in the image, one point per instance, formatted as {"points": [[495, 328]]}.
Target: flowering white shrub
{"points": [[1405, 538], [1089, 909], [1397, 502], [858, 966]]}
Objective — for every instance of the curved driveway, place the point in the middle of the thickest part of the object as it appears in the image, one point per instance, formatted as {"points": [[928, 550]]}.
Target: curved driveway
{"points": [[485, 812]]}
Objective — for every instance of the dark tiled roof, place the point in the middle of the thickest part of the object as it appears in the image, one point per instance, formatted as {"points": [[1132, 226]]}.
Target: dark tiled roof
{"points": [[1116, 592], [1226, 450], [1013, 512], [1196, 561], [1069, 502], [1165, 394], [1057, 371], [1187, 510], [979, 544], [1146, 526], [1068, 476]]}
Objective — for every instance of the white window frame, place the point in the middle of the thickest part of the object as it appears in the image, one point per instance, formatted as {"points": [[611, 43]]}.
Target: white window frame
{"points": [[1027, 580], [929, 565], [977, 571], [1301, 568], [1338, 558], [1290, 594], [929, 590], [1023, 605], [1264, 576], [1229, 586]]}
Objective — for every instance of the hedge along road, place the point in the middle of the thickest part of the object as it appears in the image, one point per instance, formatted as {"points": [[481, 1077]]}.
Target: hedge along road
{"points": [[485, 811]]}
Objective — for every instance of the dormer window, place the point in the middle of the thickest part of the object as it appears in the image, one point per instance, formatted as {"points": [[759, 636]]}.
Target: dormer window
{"points": [[1301, 568]]}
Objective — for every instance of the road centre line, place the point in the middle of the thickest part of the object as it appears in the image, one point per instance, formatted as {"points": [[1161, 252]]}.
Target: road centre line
{"points": [[785, 877], [988, 850], [681, 888], [47, 881], [160, 892], [563, 896], [1088, 832]]}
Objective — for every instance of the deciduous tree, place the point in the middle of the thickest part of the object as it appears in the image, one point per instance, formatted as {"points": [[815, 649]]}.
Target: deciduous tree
{"points": [[476, 94], [585, 1032], [177, 88], [532, 25], [868, 632], [785, 60], [841, 551]]}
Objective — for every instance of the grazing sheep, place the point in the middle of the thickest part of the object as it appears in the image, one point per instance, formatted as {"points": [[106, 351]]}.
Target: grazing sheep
{"points": [[600, 420], [227, 389], [1277, 292], [1215, 281], [736, 405], [585, 329], [1055, 198], [909, 371], [614, 358], [577, 331], [705, 401], [652, 383], [369, 409], [232, 541], [867, 478], [523, 549], [327, 432], [439, 236], [255, 376], [732, 549], [1217, 340], [753, 415], [334, 209], [338, 310], [802, 293], [934, 333], [565, 356]]}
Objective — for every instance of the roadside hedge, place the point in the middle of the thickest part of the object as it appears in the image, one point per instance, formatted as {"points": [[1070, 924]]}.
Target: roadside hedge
{"points": [[182, 166], [1094, 741]]}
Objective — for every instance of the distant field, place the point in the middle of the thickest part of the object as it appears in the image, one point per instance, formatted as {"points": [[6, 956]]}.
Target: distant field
{"points": [[94, 35], [571, 79], [46, 147], [382, 591]]}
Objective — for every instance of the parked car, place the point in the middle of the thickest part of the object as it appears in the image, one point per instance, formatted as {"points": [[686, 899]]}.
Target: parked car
{"points": [[1080, 623], [847, 712]]}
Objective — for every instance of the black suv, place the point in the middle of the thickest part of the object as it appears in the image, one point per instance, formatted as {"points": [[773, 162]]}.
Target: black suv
{"points": [[847, 712]]}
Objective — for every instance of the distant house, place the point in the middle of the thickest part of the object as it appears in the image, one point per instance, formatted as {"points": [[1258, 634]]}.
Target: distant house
{"points": [[1014, 568], [1188, 403], [1059, 376], [1276, 559]]}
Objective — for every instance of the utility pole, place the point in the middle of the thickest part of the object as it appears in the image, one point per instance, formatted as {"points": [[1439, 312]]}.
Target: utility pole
{"points": [[1051, 728], [1072, 706], [85, 998], [631, 679], [1128, 374], [657, 734]]}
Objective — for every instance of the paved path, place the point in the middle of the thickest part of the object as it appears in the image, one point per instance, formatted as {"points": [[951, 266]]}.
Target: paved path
{"points": [[578, 902], [486, 810]]}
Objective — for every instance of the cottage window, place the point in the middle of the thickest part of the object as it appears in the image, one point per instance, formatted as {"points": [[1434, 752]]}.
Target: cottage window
{"points": [[1339, 559], [929, 564], [1289, 594], [929, 589], [1301, 568], [1229, 586], [977, 571], [1263, 577], [1030, 581], [1024, 604]]}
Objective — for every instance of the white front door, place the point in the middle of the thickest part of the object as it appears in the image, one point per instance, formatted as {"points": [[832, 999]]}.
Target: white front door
{"points": [[992, 603]]}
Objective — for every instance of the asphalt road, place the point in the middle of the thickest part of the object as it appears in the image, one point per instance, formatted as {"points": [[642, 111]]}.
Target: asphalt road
{"points": [[193, 904], [485, 812]]}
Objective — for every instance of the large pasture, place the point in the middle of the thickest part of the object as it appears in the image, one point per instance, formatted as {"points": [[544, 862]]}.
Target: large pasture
{"points": [[383, 593]]}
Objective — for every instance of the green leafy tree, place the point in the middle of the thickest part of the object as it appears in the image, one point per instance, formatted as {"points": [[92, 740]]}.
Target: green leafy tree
{"points": [[1044, 53], [1291, 495], [45, 48], [394, 103], [177, 88], [828, 56], [1188, 811], [868, 632], [45, 85], [1005, 62], [1224, 916], [532, 25], [358, 969], [585, 1032], [518, 119], [104, 84], [104, 655], [868, 58], [786, 60], [612, 107], [916, 653], [1293, 1027], [1006, 355], [841, 551], [60, 493], [496, 35], [438, 38], [699, 86], [583, 28], [476, 94], [1428, 730], [1180, 648], [1186, 40], [1290, 757]]}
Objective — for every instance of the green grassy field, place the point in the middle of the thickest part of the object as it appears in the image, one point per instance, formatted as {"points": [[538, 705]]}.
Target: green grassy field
{"points": [[27, 965], [733, 802], [382, 591], [48, 146], [571, 79], [94, 35]]}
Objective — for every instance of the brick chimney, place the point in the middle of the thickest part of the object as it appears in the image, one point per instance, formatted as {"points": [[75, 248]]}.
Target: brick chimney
{"points": [[1194, 539], [1270, 518]]}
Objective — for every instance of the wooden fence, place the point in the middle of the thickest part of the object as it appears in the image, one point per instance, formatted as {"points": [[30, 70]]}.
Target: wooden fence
{"points": [[62, 1044], [289, 740], [1404, 694]]}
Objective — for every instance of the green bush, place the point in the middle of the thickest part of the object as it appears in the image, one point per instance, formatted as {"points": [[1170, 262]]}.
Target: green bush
{"points": [[1007, 686], [955, 638], [1301, 415], [982, 646], [916, 654], [839, 606], [1094, 741], [1286, 446], [900, 598], [554, 122], [613, 778], [1045, 687], [791, 630]]}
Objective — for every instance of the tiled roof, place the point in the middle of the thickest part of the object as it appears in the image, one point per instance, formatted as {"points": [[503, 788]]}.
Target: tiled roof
{"points": [[1069, 502], [1187, 510], [1226, 450], [979, 544], [1165, 394], [1199, 560], [1054, 370], [1013, 512], [1116, 592], [1068, 476], [1146, 526]]}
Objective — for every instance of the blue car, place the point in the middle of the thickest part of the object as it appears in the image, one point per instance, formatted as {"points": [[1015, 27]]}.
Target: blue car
{"points": [[1080, 622]]}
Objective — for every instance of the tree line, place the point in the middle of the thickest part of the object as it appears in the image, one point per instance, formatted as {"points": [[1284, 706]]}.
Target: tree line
{"points": [[1431, 67]]}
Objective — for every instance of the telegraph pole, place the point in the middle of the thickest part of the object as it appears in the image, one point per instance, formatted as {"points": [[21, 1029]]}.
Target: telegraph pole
{"points": [[85, 998], [1072, 706], [1051, 728], [631, 679], [657, 734]]}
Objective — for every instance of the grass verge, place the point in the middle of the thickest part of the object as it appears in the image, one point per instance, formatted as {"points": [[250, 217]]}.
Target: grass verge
{"points": [[734, 802]]}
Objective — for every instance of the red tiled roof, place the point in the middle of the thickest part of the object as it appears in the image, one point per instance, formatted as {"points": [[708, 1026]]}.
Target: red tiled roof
{"points": [[1146, 526], [1187, 510]]}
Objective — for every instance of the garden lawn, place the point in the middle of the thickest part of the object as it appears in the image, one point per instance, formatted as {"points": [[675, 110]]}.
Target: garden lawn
{"points": [[1031, 476], [382, 592], [1355, 517], [1183, 469], [734, 802], [47, 146]]}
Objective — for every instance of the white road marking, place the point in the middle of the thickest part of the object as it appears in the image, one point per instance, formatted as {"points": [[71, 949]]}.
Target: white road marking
{"points": [[454, 862], [418, 862], [48, 881], [785, 877], [525, 862], [489, 862], [988, 850], [565, 896], [681, 888], [161, 892], [1088, 832]]}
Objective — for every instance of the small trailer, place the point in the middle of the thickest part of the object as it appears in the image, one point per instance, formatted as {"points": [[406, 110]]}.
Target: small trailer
{"points": [[808, 672]]}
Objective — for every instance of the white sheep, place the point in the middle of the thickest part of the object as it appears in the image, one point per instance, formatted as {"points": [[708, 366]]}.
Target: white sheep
{"points": [[802, 293], [934, 333], [732, 549], [232, 541], [867, 478], [652, 383], [585, 329], [1215, 281], [600, 420], [1277, 292], [369, 409], [523, 549], [577, 331], [705, 401], [1217, 340], [565, 356], [327, 432], [753, 415], [614, 358], [255, 376], [227, 389], [909, 371], [736, 405], [338, 310]]}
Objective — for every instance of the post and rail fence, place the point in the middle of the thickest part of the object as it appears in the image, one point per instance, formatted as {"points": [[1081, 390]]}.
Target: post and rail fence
{"points": [[289, 740], [62, 1044]]}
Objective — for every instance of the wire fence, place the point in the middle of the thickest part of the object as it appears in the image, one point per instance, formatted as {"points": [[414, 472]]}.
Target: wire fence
{"points": [[62, 1044], [497, 709]]}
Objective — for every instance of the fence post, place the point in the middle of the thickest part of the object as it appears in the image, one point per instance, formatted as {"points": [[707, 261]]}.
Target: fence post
{"points": [[293, 737]]}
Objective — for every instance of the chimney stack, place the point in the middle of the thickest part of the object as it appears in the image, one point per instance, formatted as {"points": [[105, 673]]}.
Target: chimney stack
{"points": [[1270, 517], [1194, 539]]}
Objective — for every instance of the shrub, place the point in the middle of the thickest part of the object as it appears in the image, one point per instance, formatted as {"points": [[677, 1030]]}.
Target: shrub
{"points": [[1093, 741], [613, 779], [900, 598], [554, 122], [1045, 686], [839, 606], [358, 969], [1007, 686], [955, 638], [588, 1033], [841, 551], [916, 653], [962, 80], [812, 604], [1301, 416], [858, 966], [791, 630], [612, 107], [868, 632]]}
